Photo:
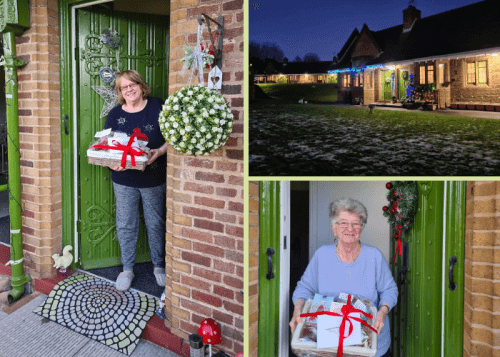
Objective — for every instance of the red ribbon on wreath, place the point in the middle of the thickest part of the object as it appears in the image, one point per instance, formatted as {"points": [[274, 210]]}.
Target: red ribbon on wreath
{"points": [[346, 310], [127, 149], [398, 246]]}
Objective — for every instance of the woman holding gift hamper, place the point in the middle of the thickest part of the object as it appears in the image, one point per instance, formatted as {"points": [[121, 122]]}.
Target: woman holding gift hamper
{"points": [[349, 267], [132, 186]]}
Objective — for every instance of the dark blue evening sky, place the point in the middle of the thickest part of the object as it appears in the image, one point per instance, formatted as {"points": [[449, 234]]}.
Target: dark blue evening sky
{"points": [[323, 26]]}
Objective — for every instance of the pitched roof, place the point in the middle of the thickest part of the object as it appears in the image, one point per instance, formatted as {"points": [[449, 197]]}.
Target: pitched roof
{"points": [[468, 28]]}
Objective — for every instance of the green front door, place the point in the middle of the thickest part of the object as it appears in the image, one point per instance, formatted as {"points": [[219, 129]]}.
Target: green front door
{"points": [[143, 47], [438, 234], [269, 272], [402, 82], [387, 85]]}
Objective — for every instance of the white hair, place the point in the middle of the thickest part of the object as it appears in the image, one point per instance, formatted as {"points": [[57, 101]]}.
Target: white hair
{"points": [[347, 205]]}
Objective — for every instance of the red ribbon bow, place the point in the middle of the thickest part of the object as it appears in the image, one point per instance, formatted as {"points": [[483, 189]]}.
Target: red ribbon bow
{"points": [[398, 246], [128, 149], [346, 310]]}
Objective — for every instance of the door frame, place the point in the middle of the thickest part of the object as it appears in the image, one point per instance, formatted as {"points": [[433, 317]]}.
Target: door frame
{"points": [[69, 109], [69, 151]]}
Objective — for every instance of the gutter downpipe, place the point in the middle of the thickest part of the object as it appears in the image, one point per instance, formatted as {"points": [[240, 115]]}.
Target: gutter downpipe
{"points": [[18, 278]]}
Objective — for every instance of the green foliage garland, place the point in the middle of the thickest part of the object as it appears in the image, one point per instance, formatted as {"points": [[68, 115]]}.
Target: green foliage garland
{"points": [[403, 203]]}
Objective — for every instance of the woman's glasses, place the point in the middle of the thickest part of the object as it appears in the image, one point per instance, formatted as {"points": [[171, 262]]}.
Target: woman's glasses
{"points": [[344, 225], [131, 86]]}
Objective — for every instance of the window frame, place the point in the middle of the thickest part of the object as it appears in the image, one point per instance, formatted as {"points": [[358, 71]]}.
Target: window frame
{"points": [[477, 62]]}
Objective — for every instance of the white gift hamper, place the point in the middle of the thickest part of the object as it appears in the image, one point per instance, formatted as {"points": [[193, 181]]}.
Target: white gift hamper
{"points": [[106, 158], [308, 348]]}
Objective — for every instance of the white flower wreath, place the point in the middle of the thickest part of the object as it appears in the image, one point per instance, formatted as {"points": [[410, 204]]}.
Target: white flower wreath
{"points": [[196, 120]]}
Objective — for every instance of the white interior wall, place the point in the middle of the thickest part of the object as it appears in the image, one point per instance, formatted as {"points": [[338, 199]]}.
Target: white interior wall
{"points": [[372, 194]]}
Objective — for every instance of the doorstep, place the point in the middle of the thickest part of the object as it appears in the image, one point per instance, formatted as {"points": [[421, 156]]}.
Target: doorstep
{"points": [[155, 331]]}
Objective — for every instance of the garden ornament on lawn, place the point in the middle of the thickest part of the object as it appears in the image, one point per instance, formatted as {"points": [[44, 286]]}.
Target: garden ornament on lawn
{"points": [[63, 261], [210, 332]]}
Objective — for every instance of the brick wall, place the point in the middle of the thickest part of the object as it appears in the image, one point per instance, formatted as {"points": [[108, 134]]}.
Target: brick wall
{"points": [[364, 47], [482, 270], [39, 138], [253, 271], [463, 92], [205, 194]]}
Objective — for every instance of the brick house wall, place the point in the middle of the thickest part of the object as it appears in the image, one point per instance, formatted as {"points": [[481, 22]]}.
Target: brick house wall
{"points": [[253, 271], [482, 270], [39, 139], [364, 47], [460, 91], [204, 240]]}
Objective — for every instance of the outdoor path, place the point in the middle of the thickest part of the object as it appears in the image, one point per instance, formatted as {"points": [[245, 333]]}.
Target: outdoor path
{"points": [[24, 333], [453, 112]]}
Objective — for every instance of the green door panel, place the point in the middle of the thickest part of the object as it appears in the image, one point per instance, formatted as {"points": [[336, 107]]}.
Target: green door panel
{"points": [[387, 87], [143, 47], [269, 290], [417, 318], [402, 83], [455, 247]]}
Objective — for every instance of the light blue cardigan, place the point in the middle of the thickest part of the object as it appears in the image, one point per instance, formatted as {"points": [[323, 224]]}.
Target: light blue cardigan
{"points": [[368, 277]]}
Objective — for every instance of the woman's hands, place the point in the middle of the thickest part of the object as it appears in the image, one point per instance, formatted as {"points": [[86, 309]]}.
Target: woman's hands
{"points": [[299, 306], [117, 168], [380, 318], [156, 153]]}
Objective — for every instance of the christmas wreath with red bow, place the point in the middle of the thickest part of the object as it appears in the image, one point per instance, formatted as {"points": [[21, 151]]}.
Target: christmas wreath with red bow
{"points": [[403, 206]]}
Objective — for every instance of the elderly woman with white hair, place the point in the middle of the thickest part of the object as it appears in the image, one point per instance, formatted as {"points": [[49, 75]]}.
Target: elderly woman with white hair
{"points": [[350, 267]]}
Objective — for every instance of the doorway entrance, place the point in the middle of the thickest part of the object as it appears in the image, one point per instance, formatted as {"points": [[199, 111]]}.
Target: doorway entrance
{"points": [[426, 306], [87, 189]]}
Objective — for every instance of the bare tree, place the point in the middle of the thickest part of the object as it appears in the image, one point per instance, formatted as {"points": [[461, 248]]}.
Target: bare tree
{"points": [[311, 57]]}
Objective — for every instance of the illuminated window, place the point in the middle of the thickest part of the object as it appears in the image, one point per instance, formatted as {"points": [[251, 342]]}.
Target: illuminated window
{"points": [[356, 80], [361, 79], [422, 74], [430, 74], [471, 73], [441, 73], [481, 72]]}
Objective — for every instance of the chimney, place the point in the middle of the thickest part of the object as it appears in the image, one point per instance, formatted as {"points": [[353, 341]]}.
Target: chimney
{"points": [[410, 15], [335, 60]]}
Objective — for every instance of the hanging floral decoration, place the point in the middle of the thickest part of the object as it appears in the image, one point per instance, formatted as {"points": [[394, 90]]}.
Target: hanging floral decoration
{"points": [[403, 206], [196, 120], [200, 57], [405, 75]]}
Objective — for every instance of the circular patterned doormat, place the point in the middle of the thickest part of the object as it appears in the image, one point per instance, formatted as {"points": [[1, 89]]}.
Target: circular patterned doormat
{"points": [[96, 309]]}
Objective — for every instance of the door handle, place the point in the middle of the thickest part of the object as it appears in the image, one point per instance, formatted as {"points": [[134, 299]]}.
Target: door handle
{"points": [[66, 116], [270, 274], [453, 261]]}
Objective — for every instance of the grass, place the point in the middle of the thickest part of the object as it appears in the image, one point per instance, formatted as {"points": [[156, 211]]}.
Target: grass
{"points": [[319, 92], [318, 140]]}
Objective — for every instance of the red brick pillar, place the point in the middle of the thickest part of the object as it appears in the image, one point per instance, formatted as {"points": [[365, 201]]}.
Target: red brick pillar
{"points": [[205, 194]]}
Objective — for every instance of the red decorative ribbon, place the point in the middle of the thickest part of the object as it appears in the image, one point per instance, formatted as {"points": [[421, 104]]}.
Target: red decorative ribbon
{"points": [[346, 310], [128, 149], [398, 246]]}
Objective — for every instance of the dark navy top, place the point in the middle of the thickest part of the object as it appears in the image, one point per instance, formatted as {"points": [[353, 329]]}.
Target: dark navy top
{"points": [[146, 120]]}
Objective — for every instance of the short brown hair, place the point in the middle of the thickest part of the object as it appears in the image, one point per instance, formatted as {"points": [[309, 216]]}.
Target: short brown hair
{"points": [[133, 76]]}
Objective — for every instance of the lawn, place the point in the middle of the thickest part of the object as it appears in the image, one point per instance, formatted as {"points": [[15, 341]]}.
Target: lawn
{"points": [[328, 140], [320, 92]]}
